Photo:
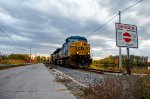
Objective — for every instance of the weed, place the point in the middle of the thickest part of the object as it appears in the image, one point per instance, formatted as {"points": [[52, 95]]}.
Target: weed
{"points": [[62, 79], [123, 87]]}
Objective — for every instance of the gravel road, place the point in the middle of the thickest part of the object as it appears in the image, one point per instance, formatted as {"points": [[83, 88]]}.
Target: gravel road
{"points": [[31, 82]]}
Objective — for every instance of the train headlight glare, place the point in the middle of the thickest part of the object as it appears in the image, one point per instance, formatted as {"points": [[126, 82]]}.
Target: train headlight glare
{"points": [[77, 52]]}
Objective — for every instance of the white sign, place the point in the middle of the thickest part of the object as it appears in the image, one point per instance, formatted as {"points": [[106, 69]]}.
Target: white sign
{"points": [[126, 35]]}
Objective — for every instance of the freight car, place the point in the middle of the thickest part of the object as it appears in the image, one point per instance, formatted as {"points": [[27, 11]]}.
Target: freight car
{"points": [[75, 51]]}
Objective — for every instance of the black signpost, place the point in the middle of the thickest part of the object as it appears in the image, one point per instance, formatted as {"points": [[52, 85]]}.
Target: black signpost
{"points": [[128, 62]]}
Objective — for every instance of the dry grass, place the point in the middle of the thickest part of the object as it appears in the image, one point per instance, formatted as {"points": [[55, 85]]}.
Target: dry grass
{"points": [[11, 66], [123, 87], [62, 79], [10, 61], [115, 68], [141, 71]]}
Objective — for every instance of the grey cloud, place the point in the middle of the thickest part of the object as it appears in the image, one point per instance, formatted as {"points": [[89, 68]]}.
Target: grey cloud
{"points": [[114, 6], [50, 27]]}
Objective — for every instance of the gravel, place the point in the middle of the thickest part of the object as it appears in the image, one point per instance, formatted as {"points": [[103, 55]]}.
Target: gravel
{"points": [[79, 79], [87, 78], [70, 78]]}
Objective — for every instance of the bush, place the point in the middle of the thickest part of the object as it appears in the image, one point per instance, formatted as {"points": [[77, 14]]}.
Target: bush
{"points": [[11, 61], [123, 87], [140, 71]]}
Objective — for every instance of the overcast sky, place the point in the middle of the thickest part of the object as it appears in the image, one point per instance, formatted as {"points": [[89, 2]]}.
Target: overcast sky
{"points": [[45, 24]]}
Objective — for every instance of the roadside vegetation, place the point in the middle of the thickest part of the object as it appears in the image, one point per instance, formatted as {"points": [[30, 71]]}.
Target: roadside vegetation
{"points": [[15, 60], [121, 87], [11, 66], [109, 87], [138, 64]]}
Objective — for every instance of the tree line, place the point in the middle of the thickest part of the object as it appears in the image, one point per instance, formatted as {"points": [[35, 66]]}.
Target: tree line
{"points": [[135, 61], [23, 57]]}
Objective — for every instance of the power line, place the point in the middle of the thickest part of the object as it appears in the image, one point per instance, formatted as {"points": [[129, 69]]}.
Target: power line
{"points": [[131, 6], [113, 18], [11, 39], [102, 25]]}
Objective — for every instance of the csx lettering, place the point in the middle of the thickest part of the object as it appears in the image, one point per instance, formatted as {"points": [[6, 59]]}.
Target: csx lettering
{"points": [[80, 48]]}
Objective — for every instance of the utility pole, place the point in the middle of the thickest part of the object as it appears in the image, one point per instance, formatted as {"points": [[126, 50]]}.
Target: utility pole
{"points": [[120, 60], [0, 56], [30, 53], [128, 56], [35, 58], [35, 54]]}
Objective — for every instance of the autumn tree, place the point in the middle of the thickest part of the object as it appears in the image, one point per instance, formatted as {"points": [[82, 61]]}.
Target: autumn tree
{"points": [[19, 56]]}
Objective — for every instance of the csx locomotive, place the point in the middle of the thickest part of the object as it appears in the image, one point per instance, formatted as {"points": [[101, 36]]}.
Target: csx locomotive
{"points": [[74, 52]]}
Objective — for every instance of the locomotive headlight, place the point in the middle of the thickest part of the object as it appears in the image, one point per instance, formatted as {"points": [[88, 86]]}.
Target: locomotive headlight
{"points": [[77, 52], [88, 53]]}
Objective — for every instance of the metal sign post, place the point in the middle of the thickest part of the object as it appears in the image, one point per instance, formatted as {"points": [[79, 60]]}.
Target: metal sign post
{"points": [[128, 62], [120, 61], [126, 36], [30, 55]]}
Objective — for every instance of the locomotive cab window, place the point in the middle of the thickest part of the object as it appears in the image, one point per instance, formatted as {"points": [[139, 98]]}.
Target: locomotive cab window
{"points": [[84, 40], [75, 38]]}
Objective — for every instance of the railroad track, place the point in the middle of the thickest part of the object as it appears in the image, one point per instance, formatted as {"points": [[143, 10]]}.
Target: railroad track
{"points": [[100, 71], [109, 71], [92, 70]]}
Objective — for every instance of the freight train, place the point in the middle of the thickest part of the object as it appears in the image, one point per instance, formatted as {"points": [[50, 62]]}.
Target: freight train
{"points": [[74, 52]]}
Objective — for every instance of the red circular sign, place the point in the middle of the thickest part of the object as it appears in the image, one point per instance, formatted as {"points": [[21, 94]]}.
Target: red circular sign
{"points": [[127, 37]]}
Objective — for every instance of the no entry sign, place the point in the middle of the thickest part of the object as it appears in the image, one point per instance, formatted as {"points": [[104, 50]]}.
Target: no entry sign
{"points": [[126, 35]]}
